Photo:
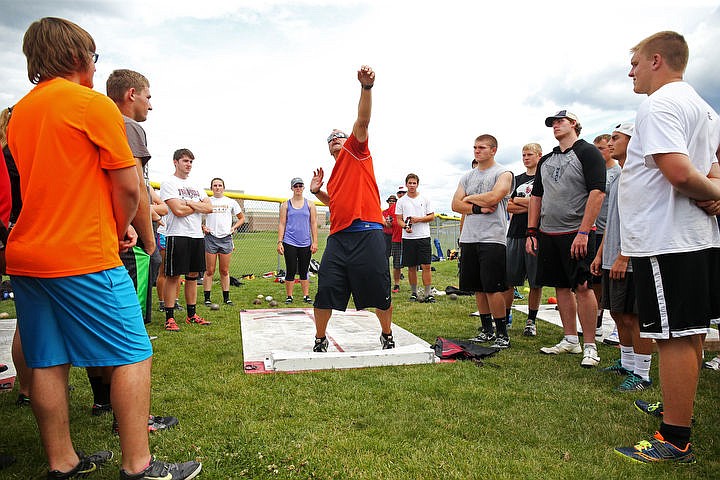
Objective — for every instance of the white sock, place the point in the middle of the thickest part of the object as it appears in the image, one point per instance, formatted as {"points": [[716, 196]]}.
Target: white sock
{"points": [[642, 366], [627, 358], [572, 338]]}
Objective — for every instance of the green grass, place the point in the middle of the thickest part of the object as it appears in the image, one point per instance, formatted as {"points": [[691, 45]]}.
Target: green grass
{"points": [[522, 415]]}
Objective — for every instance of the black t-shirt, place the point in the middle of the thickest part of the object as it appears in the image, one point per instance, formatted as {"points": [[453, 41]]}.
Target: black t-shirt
{"points": [[518, 222]]}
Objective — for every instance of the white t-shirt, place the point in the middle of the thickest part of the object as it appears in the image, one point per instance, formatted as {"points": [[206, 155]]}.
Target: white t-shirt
{"points": [[414, 207], [191, 225], [654, 218], [225, 211]]}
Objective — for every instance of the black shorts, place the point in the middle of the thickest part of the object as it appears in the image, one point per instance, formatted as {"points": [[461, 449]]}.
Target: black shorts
{"points": [[520, 264], [416, 251], [618, 296], [354, 263], [396, 253], [482, 267], [598, 241], [556, 268], [184, 255], [677, 293], [388, 245]]}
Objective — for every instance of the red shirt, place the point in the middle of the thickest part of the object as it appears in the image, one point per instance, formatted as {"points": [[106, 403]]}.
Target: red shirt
{"points": [[352, 188]]}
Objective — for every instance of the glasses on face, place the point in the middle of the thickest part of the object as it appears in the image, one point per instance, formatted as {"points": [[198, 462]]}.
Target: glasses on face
{"points": [[298, 185], [94, 56], [401, 193], [335, 135]]}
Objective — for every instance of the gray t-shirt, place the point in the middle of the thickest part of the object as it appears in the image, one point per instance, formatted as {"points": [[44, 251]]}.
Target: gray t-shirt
{"points": [[564, 181], [611, 245], [610, 175], [486, 227]]}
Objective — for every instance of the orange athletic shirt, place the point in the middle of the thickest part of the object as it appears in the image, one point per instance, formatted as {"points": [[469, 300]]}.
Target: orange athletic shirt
{"points": [[352, 187], [63, 137]]}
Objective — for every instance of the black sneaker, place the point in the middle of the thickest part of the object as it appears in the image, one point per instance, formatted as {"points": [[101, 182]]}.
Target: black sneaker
{"points": [[321, 344], [289, 299], [22, 400], [158, 470], [179, 307], [387, 342], [161, 423], [208, 303], [229, 302], [430, 299], [307, 299], [161, 307], [101, 409], [413, 297], [86, 465]]}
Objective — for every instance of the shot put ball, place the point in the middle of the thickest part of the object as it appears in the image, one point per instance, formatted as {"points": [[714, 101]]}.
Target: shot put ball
{"points": [[273, 303], [214, 306], [268, 298], [452, 296]]}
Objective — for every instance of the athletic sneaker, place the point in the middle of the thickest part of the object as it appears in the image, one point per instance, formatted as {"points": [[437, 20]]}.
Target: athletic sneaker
{"points": [[22, 400], [501, 343], [85, 466], [396, 289], [229, 302], [654, 409], [612, 339], [634, 383], [101, 409], [530, 329], [476, 313], [713, 364], [198, 320], [517, 295], [158, 470], [321, 344], [617, 367], [178, 307], [161, 306], [208, 303], [161, 423], [3, 367], [307, 299], [483, 337], [413, 297], [289, 299], [171, 326], [657, 450], [387, 342], [429, 299], [563, 347], [590, 356]]}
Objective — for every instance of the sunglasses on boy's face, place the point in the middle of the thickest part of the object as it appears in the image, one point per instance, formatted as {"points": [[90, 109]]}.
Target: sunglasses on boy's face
{"points": [[335, 135]]}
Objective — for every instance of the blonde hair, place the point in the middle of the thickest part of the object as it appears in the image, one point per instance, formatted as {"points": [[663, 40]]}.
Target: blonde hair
{"points": [[670, 45], [4, 121], [533, 147], [120, 81], [55, 47]]}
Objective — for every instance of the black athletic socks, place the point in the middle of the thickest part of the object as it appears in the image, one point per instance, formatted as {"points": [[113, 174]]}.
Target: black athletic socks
{"points": [[226, 295], [532, 315], [169, 313], [678, 436], [207, 295], [487, 323], [190, 310], [501, 327]]}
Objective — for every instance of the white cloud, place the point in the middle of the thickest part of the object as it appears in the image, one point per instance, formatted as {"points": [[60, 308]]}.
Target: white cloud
{"points": [[253, 87]]}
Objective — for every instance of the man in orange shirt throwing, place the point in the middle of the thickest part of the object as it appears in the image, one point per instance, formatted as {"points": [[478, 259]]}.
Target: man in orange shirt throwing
{"points": [[354, 260]]}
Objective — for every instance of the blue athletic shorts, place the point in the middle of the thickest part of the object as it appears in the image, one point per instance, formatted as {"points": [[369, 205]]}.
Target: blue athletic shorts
{"points": [[91, 320]]}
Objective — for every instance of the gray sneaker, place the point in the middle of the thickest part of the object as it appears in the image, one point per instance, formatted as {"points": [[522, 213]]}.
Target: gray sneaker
{"points": [[501, 343], [158, 470], [321, 345], [590, 356], [483, 337], [530, 330], [387, 342]]}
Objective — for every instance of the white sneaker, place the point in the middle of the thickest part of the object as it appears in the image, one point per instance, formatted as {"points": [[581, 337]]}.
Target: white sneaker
{"points": [[612, 339], [713, 364], [590, 356], [476, 313], [563, 347]]}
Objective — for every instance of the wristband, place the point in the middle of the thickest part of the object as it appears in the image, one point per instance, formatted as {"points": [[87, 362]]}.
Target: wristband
{"points": [[476, 209], [583, 233], [367, 87], [531, 232], [315, 192]]}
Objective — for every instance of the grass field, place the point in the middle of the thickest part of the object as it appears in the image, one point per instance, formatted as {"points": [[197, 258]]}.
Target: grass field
{"points": [[522, 415]]}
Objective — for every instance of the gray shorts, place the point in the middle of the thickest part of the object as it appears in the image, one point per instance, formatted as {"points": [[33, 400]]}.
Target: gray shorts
{"points": [[520, 264], [618, 296], [217, 245]]}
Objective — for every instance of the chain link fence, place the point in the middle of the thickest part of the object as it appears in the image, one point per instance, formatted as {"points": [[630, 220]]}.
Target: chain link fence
{"points": [[256, 242]]}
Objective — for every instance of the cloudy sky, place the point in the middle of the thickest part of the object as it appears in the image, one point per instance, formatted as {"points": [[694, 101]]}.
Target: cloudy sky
{"points": [[254, 87]]}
